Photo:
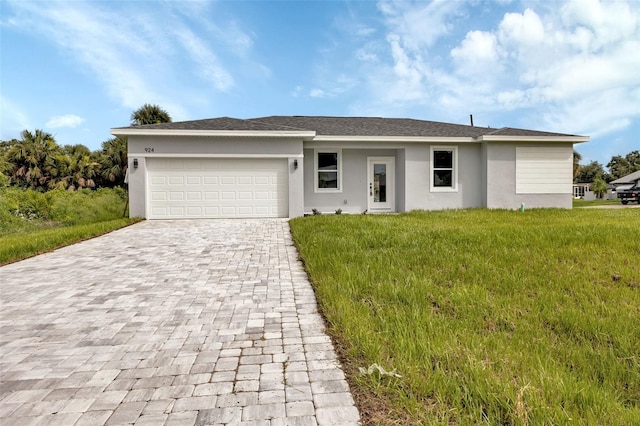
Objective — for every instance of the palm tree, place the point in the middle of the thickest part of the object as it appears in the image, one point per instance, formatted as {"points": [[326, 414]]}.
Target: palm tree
{"points": [[78, 167], [149, 114], [576, 164], [599, 187], [33, 160], [113, 160], [5, 166]]}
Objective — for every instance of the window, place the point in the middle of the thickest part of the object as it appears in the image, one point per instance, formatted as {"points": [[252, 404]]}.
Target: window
{"points": [[444, 169], [327, 171]]}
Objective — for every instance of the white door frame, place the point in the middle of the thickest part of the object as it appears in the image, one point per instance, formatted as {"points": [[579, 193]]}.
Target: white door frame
{"points": [[390, 204]]}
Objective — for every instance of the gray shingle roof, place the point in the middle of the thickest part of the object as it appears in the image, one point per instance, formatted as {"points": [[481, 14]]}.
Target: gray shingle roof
{"points": [[509, 131], [345, 126], [630, 178], [373, 126], [220, 123]]}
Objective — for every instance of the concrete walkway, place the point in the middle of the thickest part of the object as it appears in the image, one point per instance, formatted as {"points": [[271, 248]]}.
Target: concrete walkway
{"points": [[168, 323]]}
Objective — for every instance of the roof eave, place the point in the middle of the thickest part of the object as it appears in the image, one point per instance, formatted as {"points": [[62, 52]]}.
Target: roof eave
{"points": [[542, 138], [128, 131], [398, 139]]}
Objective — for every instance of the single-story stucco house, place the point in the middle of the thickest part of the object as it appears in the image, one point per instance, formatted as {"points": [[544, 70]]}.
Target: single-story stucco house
{"points": [[630, 179], [286, 166]]}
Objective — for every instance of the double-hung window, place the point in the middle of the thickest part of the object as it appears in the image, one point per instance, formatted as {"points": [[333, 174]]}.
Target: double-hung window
{"points": [[327, 171], [444, 169]]}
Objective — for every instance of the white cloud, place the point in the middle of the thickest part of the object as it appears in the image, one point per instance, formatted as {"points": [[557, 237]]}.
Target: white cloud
{"points": [[562, 68], [364, 31], [477, 46], [366, 55], [297, 91], [318, 93], [341, 84], [14, 119], [135, 52], [596, 114], [479, 53], [521, 29], [420, 24], [100, 40], [609, 21], [210, 68], [67, 120]]}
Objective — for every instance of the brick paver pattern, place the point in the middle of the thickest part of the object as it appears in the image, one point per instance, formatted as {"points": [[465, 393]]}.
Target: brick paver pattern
{"points": [[194, 322]]}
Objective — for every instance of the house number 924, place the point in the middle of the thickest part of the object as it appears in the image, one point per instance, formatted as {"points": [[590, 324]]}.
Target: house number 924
{"points": [[149, 149]]}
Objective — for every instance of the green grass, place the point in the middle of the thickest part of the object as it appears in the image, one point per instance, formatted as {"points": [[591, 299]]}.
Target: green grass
{"points": [[491, 317], [33, 222], [14, 247], [579, 202]]}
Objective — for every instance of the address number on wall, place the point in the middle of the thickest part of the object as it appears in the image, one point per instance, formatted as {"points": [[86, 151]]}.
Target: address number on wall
{"points": [[149, 149]]}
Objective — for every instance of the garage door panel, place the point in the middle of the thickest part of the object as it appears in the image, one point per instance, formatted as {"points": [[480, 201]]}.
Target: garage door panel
{"points": [[228, 195], [158, 180], [175, 180], [228, 180], [228, 210], [211, 188], [159, 211], [176, 211], [194, 211], [158, 196], [212, 211]]}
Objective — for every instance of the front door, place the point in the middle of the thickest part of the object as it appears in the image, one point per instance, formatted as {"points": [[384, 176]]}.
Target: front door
{"points": [[381, 184]]}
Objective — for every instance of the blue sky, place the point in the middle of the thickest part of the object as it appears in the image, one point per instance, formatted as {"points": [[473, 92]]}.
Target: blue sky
{"points": [[78, 68]]}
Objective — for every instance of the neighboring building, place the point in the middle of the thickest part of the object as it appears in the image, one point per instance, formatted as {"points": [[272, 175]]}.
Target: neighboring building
{"points": [[286, 166], [579, 189], [628, 179]]}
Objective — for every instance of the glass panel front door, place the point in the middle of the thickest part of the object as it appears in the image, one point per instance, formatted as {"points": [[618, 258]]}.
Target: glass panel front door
{"points": [[380, 183]]}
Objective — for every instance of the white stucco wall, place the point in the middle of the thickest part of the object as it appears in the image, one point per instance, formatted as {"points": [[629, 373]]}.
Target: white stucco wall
{"points": [[354, 181], [142, 147], [418, 194], [501, 180], [486, 172]]}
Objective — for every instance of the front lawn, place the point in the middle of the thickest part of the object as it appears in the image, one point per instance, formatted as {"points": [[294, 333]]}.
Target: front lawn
{"points": [[495, 317], [579, 202], [33, 222]]}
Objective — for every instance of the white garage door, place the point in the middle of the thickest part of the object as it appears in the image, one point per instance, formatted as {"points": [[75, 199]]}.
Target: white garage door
{"points": [[217, 187]]}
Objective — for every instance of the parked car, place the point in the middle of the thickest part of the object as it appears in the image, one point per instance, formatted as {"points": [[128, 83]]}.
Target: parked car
{"points": [[629, 194]]}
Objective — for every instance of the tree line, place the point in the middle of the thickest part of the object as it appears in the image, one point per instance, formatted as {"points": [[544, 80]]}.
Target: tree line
{"points": [[618, 167], [36, 161]]}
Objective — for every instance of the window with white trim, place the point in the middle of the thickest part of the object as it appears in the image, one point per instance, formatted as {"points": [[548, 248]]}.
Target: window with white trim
{"points": [[328, 170], [444, 169]]}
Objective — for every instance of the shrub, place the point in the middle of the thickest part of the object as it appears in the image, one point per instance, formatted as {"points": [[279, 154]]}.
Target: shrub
{"points": [[22, 209]]}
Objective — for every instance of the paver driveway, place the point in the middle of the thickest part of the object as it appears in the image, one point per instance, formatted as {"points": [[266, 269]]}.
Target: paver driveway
{"points": [[168, 322]]}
